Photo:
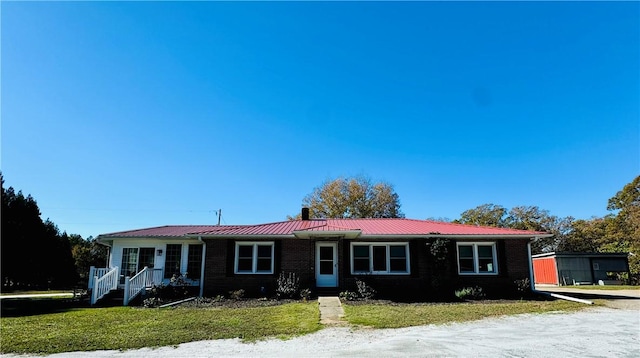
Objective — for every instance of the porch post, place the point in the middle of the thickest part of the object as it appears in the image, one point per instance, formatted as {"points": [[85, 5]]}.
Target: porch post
{"points": [[92, 271], [144, 278], [127, 283], [94, 292]]}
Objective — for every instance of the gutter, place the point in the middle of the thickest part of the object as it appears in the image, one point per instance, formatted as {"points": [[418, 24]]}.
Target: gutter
{"points": [[549, 294], [204, 254]]}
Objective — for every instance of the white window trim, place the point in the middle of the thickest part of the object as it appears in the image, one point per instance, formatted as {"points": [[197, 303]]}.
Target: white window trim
{"points": [[476, 262], [254, 259], [387, 244]]}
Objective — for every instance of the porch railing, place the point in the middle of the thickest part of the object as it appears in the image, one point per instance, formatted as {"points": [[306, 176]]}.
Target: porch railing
{"points": [[96, 271], [147, 277], [102, 282]]}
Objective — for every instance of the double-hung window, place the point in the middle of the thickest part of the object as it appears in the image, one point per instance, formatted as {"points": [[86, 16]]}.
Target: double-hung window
{"points": [[477, 258], [194, 262], [172, 260], [380, 258], [254, 258]]}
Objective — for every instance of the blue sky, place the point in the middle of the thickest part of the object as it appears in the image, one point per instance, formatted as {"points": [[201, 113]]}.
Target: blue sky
{"points": [[118, 116]]}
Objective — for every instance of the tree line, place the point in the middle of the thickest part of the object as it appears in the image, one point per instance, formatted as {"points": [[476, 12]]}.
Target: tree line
{"points": [[35, 254], [619, 231]]}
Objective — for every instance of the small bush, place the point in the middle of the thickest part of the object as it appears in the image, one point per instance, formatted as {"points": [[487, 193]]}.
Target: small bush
{"points": [[151, 302], [523, 286], [348, 295], [237, 294], [288, 285], [365, 291], [305, 294], [470, 293]]}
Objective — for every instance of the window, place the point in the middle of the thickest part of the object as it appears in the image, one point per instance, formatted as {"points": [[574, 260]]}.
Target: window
{"points": [[380, 258], [254, 258], [172, 260], [147, 257], [134, 259], [129, 261], [476, 258], [194, 264]]}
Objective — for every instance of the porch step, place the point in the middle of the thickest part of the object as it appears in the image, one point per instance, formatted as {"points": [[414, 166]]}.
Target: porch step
{"points": [[327, 291], [111, 299]]}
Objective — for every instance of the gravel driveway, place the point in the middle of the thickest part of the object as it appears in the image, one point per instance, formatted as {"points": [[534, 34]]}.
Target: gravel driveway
{"points": [[595, 332]]}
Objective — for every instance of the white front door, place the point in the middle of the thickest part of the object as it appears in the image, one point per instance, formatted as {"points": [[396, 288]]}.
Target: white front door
{"points": [[326, 264]]}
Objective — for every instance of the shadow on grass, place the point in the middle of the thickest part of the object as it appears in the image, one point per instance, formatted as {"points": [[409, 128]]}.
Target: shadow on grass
{"points": [[19, 307]]}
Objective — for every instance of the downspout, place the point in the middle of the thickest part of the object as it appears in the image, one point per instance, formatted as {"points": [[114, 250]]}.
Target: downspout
{"points": [[554, 295], [204, 254]]}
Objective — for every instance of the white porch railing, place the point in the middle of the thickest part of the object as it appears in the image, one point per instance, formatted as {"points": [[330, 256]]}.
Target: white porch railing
{"points": [[102, 282], [96, 271], [147, 277]]}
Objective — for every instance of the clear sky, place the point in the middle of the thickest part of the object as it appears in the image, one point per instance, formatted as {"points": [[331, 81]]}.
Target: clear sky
{"points": [[119, 116]]}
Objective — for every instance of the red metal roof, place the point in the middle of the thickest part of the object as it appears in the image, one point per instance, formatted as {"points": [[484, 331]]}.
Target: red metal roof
{"points": [[169, 231], [372, 227], [367, 227]]}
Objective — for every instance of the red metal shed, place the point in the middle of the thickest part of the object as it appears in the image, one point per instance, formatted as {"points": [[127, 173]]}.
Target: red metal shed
{"points": [[579, 268]]}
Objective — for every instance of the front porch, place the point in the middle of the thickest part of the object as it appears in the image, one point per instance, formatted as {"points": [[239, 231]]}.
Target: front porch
{"points": [[103, 281]]}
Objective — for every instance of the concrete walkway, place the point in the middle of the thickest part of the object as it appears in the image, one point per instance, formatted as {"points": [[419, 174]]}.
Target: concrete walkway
{"points": [[331, 312]]}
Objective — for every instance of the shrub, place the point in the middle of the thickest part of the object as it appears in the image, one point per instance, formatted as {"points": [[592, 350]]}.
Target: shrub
{"points": [[177, 288], [237, 294], [288, 285], [439, 249], [470, 293], [305, 294], [523, 286], [365, 291], [348, 295]]}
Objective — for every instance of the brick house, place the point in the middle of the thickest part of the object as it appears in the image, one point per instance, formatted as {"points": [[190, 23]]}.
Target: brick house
{"points": [[398, 257]]}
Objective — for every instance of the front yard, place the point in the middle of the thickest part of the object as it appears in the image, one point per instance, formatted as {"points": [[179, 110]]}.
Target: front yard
{"points": [[47, 326], [406, 315], [87, 329]]}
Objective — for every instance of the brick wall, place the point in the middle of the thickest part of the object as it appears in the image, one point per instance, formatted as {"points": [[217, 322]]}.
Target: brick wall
{"points": [[298, 255], [513, 264], [291, 255]]}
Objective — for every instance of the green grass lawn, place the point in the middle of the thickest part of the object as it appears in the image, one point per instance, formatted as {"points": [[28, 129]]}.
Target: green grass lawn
{"points": [[391, 316], [86, 329], [604, 288]]}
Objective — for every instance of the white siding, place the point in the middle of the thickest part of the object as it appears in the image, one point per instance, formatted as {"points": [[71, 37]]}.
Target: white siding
{"points": [[115, 258]]}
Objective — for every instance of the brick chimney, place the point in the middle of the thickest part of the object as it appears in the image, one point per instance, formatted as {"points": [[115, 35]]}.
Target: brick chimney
{"points": [[305, 213]]}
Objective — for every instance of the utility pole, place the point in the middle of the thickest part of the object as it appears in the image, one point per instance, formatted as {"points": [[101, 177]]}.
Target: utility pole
{"points": [[219, 215]]}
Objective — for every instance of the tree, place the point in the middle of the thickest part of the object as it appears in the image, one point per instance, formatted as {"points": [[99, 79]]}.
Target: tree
{"points": [[87, 253], [523, 218], [585, 236], [355, 197], [536, 219], [484, 215], [34, 253], [624, 226]]}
